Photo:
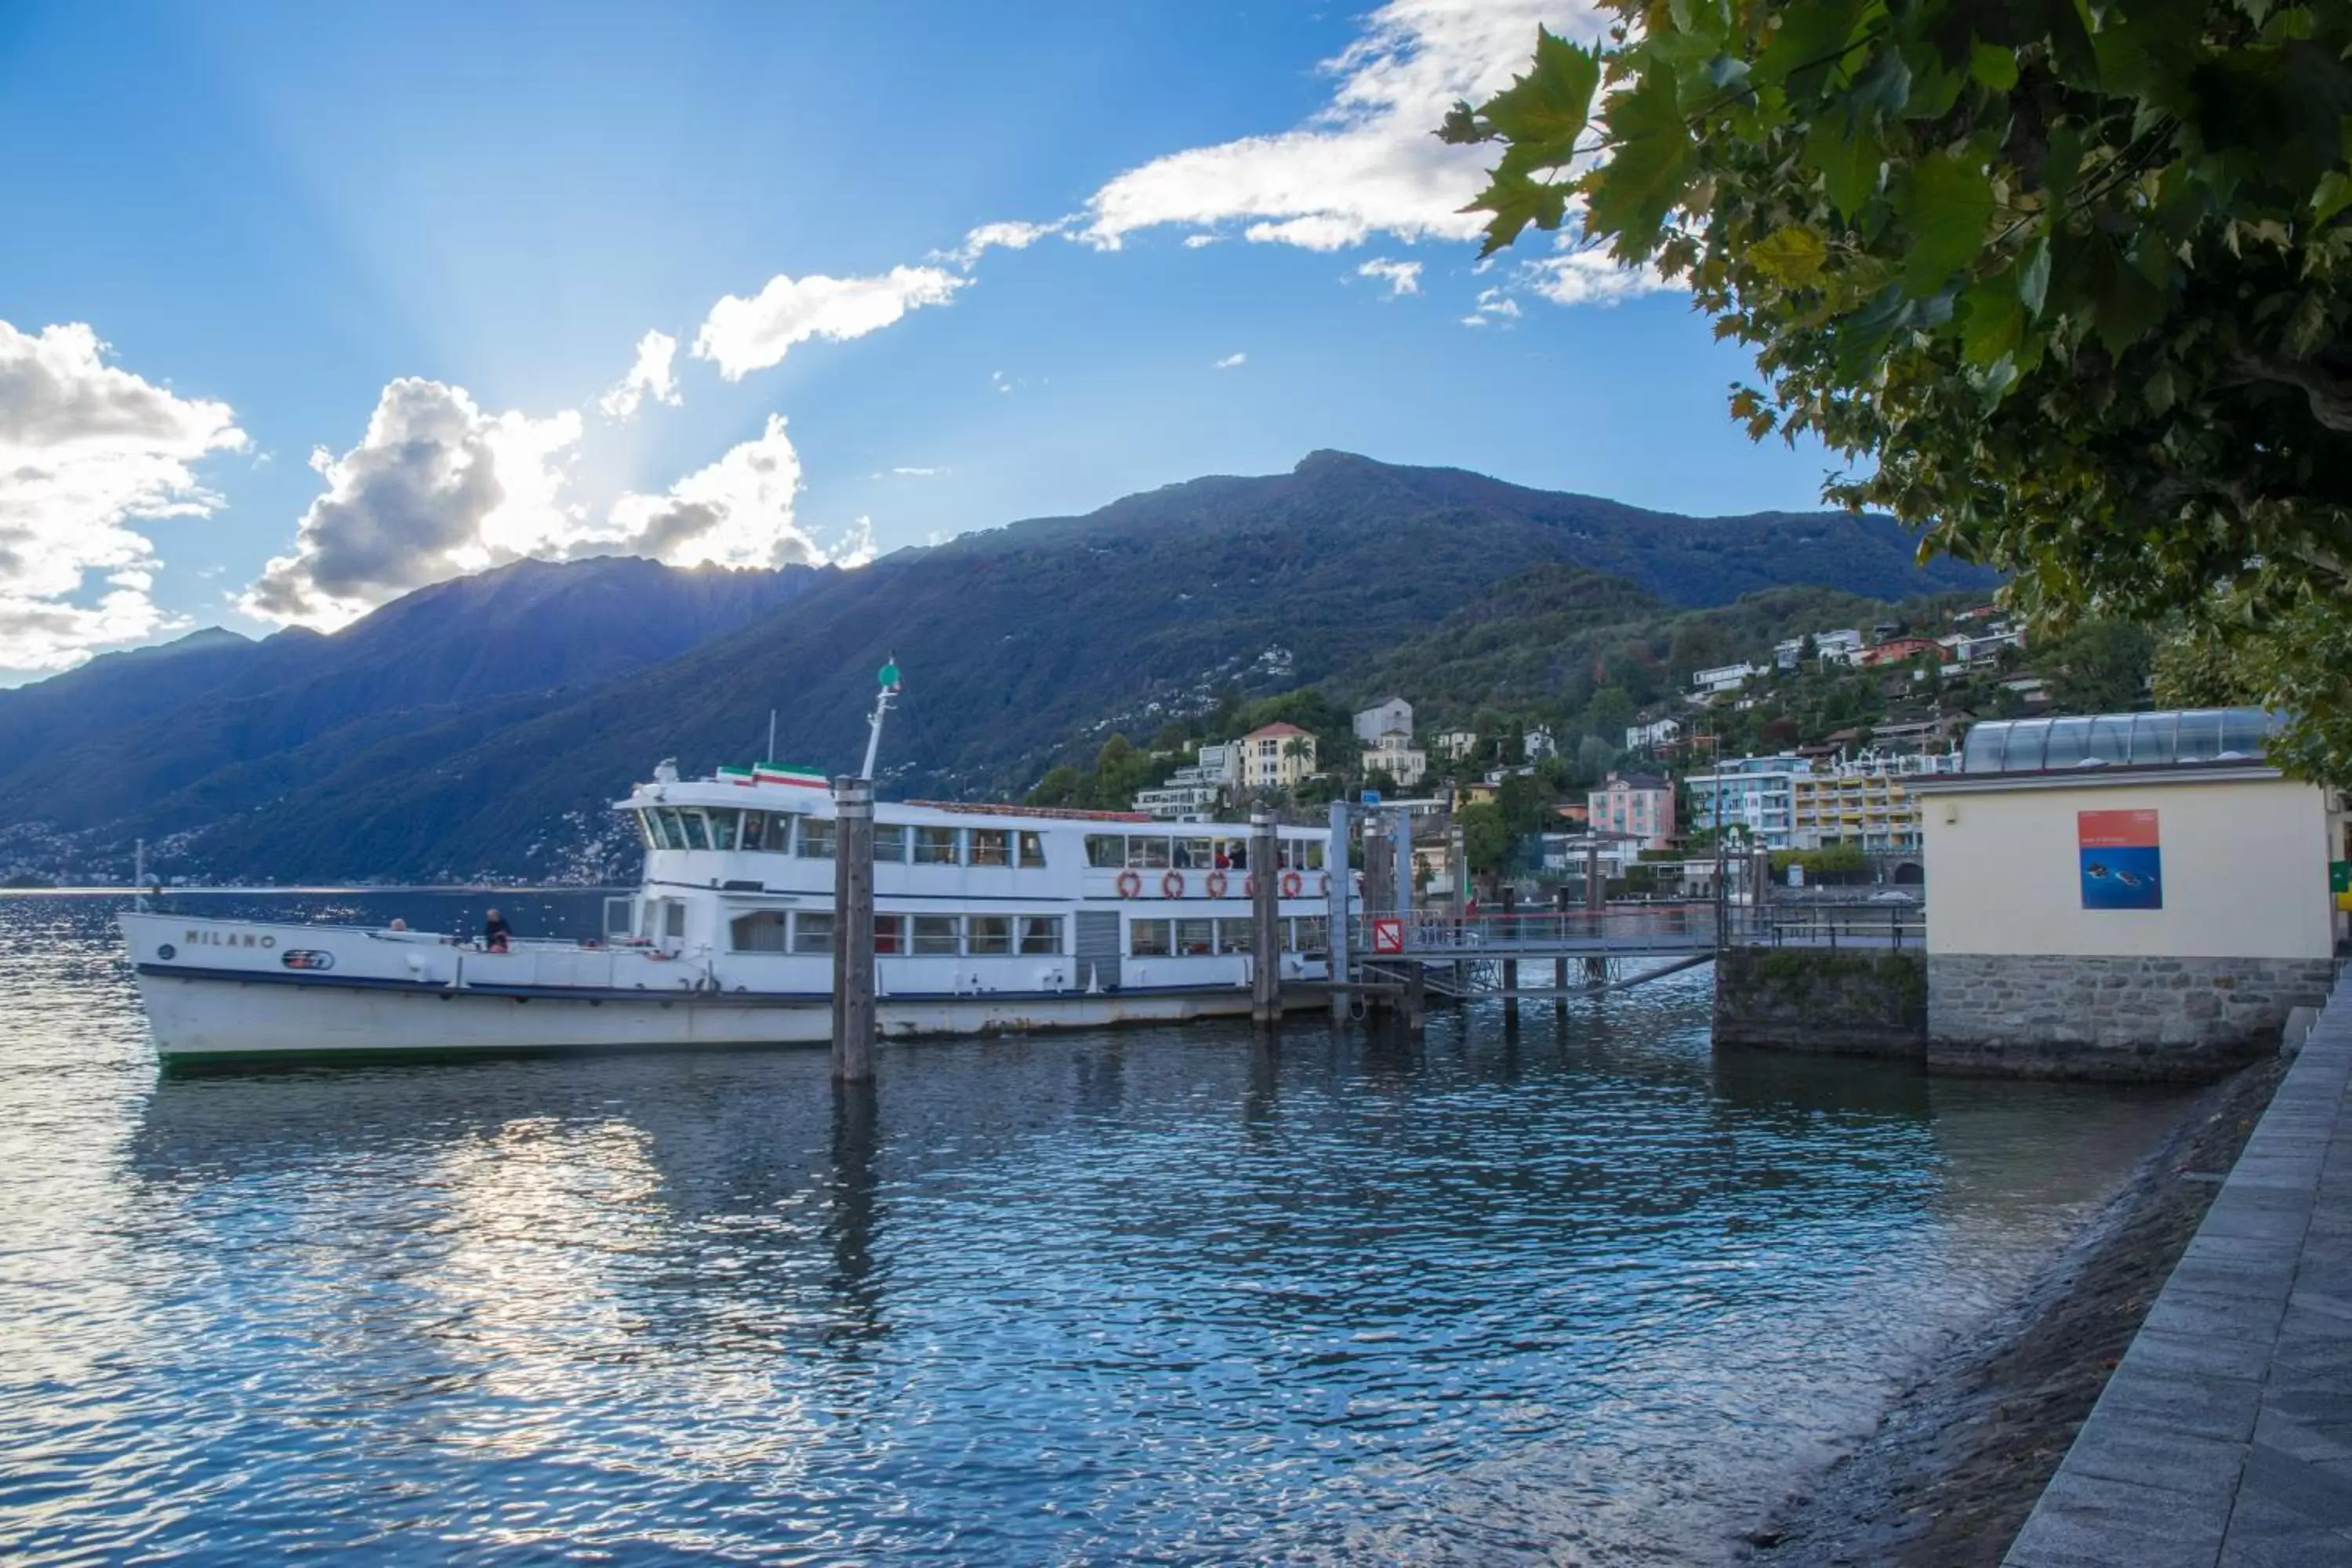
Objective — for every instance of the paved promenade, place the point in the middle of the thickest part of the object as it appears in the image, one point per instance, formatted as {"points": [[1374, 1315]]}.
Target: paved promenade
{"points": [[2225, 1436]]}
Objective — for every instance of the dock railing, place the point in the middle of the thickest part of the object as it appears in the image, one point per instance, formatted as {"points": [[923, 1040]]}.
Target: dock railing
{"points": [[1659, 928], [1880, 927]]}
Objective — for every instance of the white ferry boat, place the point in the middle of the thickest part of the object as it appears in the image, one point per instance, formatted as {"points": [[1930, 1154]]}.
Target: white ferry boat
{"points": [[987, 918]]}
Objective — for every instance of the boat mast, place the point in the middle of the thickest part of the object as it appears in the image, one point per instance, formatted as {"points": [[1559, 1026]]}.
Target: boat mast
{"points": [[890, 678]]}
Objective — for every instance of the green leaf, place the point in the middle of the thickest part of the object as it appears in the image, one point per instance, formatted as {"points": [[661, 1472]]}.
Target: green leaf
{"points": [[1630, 196], [2333, 195], [1993, 66], [1809, 39], [2033, 275], [1547, 108], [1947, 205], [1848, 166], [1792, 256], [1518, 201], [1883, 87], [1991, 321]]}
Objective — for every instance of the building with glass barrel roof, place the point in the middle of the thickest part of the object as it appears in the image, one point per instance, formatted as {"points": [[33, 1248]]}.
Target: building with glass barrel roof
{"points": [[2136, 895]]}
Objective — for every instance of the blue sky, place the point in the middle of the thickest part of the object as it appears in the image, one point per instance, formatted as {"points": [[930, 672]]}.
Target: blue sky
{"points": [[427, 242]]}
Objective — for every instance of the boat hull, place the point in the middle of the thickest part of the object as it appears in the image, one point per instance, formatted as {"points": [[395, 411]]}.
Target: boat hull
{"points": [[196, 1017]]}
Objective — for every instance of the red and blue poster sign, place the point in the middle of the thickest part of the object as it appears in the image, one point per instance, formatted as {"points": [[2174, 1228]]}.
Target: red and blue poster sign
{"points": [[2123, 863]]}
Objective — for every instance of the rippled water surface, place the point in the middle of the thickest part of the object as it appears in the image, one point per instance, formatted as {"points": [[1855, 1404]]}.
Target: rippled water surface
{"points": [[1585, 1293]]}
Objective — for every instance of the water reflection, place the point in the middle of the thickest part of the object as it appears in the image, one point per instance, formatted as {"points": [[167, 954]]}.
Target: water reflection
{"points": [[1586, 1291]]}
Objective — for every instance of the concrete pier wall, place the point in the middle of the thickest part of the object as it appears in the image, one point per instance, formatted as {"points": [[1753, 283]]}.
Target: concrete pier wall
{"points": [[2018, 1014], [1821, 1000]]}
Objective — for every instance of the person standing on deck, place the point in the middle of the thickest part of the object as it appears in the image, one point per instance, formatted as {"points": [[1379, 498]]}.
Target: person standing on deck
{"points": [[496, 932]]}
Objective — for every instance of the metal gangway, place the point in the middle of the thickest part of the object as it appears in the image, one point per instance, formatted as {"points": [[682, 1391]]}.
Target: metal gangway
{"points": [[1531, 953]]}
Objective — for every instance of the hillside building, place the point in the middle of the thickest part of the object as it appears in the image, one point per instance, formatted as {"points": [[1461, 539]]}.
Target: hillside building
{"points": [[1752, 798], [1277, 756], [1723, 678], [1196, 790], [1653, 736], [1392, 717], [1864, 802], [1394, 754], [1453, 744], [1895, 650], [1638, 806], [1538, 744]]}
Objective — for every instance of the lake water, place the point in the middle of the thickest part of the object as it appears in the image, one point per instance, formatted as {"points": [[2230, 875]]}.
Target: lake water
{"points": [[1586, 1293]]}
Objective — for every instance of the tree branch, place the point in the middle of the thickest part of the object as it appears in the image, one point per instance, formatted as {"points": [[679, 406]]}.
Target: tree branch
{"points": [[2330, 394]]}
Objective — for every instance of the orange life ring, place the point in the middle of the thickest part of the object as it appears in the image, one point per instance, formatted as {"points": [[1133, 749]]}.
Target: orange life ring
{"points": [[1172, 886], [1291, 884], [1216, 884], [1129, 884]]}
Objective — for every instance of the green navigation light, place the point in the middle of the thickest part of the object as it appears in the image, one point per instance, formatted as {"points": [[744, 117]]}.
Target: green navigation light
{"points": [[890, 674]]}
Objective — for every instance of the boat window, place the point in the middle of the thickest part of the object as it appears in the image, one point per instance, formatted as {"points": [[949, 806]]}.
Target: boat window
{"points": [[813, 930], [1033, 850], [674, 920], [1220, 853], [889, 935], [1234, 936], [666, 822], [1041, 933], [889, 843], [935, 847], [620, 918], [991, 846], [646, 829], [1311, 935], [722, 827], [817, 839], [1148, 853], [1196, 938], [1194, 855], [759, 933], [698, 832], [755, 830], [936, 934], [1237, 853], [1148, 939], [1105, 851], [988, 933], [1315, 848]]}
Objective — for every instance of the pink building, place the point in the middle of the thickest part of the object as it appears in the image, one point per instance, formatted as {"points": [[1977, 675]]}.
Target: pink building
{"points": [[1639, 805]]}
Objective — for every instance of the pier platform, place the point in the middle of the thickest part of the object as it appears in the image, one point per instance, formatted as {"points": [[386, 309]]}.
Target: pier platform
{"points": [[2225, 1435]]}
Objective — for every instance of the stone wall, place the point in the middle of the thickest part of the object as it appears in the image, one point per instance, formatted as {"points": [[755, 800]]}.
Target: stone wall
{"points": [[1819, 999], [2035, 1016]]}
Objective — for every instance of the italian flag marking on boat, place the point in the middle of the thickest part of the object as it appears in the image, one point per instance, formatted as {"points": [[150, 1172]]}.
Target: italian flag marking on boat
{"points": [[775, 773], [735, 775]]}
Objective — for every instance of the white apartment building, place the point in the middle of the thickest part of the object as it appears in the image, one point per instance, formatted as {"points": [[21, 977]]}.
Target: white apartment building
{"points": [[1394, 717], [1864, 801], [1753, 796], [1650, 737], [1723, 678], [1453, 744], [1395, 754], [1278, 756]]}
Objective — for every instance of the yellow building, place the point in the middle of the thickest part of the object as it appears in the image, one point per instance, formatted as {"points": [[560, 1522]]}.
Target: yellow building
{"points": [[1867, 803], [1279, 756]]}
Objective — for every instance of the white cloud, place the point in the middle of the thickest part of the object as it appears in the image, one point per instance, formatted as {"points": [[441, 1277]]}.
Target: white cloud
{"points": [[914, 473], [743, 335], [1002, 383], [85, 448], [1402, 277], [435, 487], [1494, 304], [736, 512], [651, 376], [1587, 278], [1367, 161], [1195, 241], [990, 237], [1230, 361]]}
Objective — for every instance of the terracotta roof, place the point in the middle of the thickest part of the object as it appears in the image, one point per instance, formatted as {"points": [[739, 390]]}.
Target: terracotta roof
{"points": [[1274, 731]]}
